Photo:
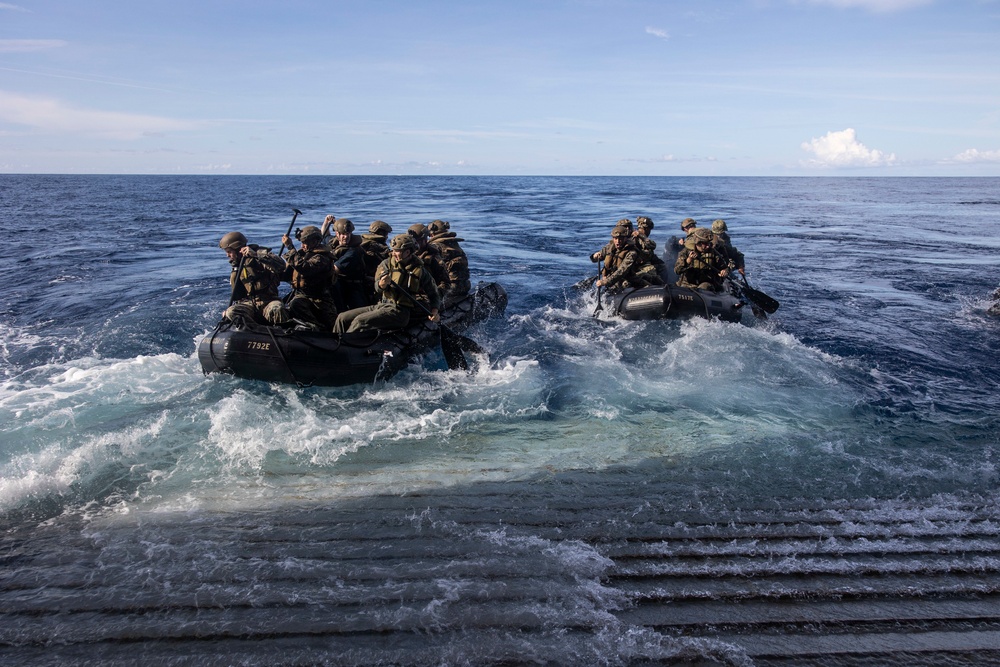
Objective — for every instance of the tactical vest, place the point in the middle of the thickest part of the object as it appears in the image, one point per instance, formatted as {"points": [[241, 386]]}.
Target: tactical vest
{"points": [[453, 258], [316, 282], [406, 276], [260, 285], [704, 268], [375, 250], [620, 265], [356, 277]]}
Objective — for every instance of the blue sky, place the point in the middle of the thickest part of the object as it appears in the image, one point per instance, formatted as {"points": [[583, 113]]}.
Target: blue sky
{"points": [[603, 87]]}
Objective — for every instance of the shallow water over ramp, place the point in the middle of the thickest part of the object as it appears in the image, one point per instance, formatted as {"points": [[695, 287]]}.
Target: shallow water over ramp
{"points": [[572, 569]]}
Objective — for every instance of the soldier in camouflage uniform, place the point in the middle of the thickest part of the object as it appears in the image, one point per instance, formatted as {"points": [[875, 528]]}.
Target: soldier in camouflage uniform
{"points": [[310, 303], [348, 267], [722, 243], [254, 280], [699, 264], [627, 224], [430, 255], [403, 270], [652, 265], [621, 262], [376, 248], [454, 260], [688, 225], [329, 239]]}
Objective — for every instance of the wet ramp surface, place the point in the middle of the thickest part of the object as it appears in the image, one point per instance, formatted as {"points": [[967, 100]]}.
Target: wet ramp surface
{"points": [[557, 572]]}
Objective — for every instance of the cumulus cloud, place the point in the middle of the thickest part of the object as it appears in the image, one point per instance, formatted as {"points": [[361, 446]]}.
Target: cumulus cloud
{"points": [[49, 115], [657, 32], [27, 45], [875, 6], [842, 149], [976, 155]]}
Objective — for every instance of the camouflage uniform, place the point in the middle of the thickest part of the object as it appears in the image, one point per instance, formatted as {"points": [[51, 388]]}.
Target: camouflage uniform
{"points": [[348, 267], [311, 300], [688, 225], [702, 271], [651, 265], [256, 286], [454, 261], [722, 243], [430, 255], [376, 249], [621, 262], [395, 309]]}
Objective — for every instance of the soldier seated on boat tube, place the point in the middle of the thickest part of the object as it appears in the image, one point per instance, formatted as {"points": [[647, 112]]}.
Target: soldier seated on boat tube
{"points": [[430, 255], [253, 280], [348, 267], [454, 261], [401, 281], [700, 264], [623, 268], [726, 247], [375, 245], [645, 246], [310, 303], [688, 225]]}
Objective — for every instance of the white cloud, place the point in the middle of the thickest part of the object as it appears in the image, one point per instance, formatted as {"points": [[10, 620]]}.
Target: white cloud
{"points": [[976, 155], [842, 149], [13, 8], [53, 116], [28, 45], [876, 6], [657, 32]]}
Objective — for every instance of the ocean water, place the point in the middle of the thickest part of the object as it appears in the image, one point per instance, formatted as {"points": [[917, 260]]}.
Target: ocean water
{"points": [[816, 488]]}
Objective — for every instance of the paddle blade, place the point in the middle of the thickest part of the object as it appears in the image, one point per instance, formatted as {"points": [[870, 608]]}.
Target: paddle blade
{"points": [[766, 303], [454, 346], [453, 356], [759, 299]]}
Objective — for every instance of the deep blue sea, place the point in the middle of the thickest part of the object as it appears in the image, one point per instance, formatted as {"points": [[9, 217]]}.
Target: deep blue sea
{"points": [[597, 492]]}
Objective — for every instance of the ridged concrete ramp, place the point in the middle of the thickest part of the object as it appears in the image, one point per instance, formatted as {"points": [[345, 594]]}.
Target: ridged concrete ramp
{"points": [[578, 570]]}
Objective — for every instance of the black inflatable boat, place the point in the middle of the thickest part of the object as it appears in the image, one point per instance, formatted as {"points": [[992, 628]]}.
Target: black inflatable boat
{"points": [[673, 301], [276, 354]]}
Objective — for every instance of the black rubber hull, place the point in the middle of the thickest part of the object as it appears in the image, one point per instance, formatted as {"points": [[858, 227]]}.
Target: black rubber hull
{"points": [[672, 301], [274, 354]]}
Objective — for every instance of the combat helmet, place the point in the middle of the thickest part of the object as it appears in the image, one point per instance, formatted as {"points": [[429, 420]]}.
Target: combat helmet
{"points": [[418, 230], [379, 227], [403, 242], [343, 226], [644, 222], [620, 231], [232, 241], [311, 234], [438, 227], [699, 235], [719, 226], [688, 222]]}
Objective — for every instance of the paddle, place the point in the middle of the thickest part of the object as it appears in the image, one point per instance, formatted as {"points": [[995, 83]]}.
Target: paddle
{"points": [[236, 283], [766, 303], [288, 233], [452, 344], [600, 306]]}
